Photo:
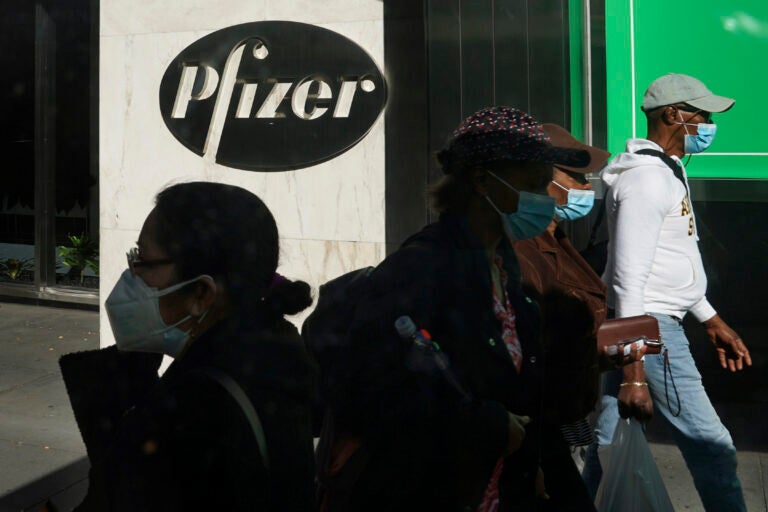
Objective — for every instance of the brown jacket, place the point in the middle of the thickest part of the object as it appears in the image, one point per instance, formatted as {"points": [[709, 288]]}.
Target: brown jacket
{"points": [[549, 262], [573, 300]]}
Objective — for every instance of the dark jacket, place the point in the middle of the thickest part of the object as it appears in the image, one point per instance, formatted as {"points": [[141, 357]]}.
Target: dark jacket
{"points": [[181, 442], [428, 448], [573, 302]]}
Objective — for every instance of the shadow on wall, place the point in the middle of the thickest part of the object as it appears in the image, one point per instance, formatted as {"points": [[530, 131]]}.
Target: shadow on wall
{"points": [[734, 246]]}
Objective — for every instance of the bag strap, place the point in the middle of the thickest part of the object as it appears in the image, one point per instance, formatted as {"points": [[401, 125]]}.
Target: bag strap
{"points": [[669, 161], [236, 392], [596, 225], [668, 369]]}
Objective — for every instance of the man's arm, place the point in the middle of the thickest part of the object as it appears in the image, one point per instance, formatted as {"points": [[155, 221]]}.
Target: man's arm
{"points": [[641, 203]]}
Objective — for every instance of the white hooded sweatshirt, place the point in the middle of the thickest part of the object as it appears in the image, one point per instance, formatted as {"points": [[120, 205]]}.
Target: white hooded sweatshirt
{"points": [[654, 264]]}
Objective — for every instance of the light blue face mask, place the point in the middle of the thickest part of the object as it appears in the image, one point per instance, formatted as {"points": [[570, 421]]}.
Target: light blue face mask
{"points": [[534, 213], [702, 140], [580, 203], [133, 309]]}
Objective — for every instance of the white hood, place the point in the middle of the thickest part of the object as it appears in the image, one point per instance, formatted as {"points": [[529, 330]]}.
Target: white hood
{"points": [[630, 160], [654, 263]]}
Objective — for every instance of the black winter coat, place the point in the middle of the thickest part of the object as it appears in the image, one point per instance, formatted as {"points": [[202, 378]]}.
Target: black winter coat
{"points": [[427, 447], [181, 442]]}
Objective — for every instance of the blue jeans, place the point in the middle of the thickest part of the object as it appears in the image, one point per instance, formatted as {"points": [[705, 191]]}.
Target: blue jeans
{"points": [[704, 442]]}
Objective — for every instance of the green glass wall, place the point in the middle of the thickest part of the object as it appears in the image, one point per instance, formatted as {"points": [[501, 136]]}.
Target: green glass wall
{"points": [[722, 43]]}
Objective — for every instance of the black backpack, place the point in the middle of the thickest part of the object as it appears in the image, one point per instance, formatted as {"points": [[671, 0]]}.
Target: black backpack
{"points": [[325, 330], [325, 335]]}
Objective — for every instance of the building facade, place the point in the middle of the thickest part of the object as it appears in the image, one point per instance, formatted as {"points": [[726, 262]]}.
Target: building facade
{"points": [[96, 104]]}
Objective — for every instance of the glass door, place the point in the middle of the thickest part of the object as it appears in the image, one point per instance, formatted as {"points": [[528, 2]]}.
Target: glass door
{"points": [[17, 140], [49, 193]]}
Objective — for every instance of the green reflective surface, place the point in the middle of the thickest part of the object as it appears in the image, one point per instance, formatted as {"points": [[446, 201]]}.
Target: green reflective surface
{"points": [[724, 44]]}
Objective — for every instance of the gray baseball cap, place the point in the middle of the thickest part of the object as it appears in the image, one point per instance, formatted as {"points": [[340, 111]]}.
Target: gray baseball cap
{"points": [[675, 88]]}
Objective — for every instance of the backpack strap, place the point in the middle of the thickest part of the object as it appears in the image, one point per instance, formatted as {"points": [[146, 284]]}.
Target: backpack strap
{"points": [[596, 225], [236, 392], [669, 161]]}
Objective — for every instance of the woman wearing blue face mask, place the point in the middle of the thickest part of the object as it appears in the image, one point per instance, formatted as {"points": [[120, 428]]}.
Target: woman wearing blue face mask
{"points": [[549, 261], [227, 426], [410, 435], [573, 300]]}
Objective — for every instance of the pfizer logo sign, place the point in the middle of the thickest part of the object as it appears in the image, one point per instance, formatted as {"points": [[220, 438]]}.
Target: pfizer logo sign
{"points": [[271, 95]]}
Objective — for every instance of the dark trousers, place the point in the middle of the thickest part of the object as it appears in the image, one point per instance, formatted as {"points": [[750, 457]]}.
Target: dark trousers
{"points": [[563, 482]]}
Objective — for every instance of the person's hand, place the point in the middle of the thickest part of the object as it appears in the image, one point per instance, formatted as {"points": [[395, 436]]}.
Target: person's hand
{"points": [[731, 351], [635, 401], [620, 358], [634, 398], [541, 491], [516, 432]]}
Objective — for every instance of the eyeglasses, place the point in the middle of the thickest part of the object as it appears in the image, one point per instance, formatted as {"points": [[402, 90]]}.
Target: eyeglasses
{"points": [[135, 262], [578, 177], [703, 113]]}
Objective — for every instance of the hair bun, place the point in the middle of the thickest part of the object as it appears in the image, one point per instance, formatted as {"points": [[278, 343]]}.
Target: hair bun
{"points": [[288, 297]]}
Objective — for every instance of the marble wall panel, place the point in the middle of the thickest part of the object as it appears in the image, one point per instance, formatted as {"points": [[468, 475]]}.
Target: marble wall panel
{"points": [[121, 17], [319, 261], [342, 199], [113, 243], [330, 216]]}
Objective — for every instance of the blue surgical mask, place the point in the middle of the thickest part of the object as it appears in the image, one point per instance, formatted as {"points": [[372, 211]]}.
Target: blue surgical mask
{"points": [[534, 213], [579, 203], [702, 140], [133, 309]]}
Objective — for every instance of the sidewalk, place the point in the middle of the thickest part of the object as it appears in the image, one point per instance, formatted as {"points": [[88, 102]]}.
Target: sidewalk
{"points": [[38, 434], [42, 455], [753, 473]]}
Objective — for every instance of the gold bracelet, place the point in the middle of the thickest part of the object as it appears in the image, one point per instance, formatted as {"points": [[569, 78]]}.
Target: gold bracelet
{"points": [[633, 384]]}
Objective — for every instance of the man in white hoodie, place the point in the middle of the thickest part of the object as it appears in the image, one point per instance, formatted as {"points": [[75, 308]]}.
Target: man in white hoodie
{"points": [[654, 267]]}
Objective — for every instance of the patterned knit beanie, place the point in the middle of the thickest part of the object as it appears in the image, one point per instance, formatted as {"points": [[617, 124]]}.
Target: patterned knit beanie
{"points": [[503, 133]]}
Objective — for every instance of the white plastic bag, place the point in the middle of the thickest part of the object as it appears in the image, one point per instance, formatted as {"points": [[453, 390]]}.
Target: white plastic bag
{"points": [[631, 481]]}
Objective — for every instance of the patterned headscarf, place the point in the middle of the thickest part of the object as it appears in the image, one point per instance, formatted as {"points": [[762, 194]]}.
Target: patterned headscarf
{"points": [[503, 133]]}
